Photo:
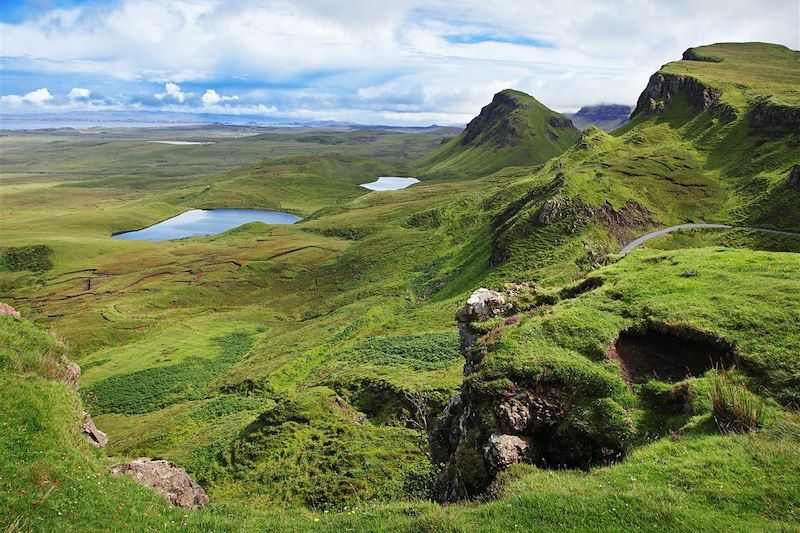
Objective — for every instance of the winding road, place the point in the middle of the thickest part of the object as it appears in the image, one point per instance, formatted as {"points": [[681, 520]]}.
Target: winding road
{"points": [[637, 242]]}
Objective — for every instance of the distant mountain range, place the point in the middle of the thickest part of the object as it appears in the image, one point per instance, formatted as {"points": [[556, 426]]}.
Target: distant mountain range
{"points": [[605, 116]]}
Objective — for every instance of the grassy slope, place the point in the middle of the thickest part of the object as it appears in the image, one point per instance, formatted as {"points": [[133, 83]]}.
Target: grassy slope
{"points": [[373, 265], [535, 139], [699, 466], [746, 71]]}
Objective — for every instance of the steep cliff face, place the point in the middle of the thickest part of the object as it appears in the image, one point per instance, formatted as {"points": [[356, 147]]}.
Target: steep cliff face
{"points": [[554, 417], [768, 114], [662, 88]]}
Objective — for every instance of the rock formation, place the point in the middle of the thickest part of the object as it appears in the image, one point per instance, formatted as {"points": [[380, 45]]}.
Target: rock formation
{"points": [[533, 418], [605, 116], [168, 480], [70, 374], [7, 310], [482, 305], [95, 436], [502, 451], [662, 88], [768, 114]]}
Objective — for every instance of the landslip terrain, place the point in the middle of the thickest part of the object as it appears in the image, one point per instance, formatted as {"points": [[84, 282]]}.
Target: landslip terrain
{"points": [[492, 348]]}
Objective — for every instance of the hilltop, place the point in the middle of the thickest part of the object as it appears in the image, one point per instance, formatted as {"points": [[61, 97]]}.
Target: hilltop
{"points": [[514, 129]]}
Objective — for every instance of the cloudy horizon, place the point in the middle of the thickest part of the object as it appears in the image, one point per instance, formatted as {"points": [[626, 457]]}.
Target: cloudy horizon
{"points": [[407, 63]]}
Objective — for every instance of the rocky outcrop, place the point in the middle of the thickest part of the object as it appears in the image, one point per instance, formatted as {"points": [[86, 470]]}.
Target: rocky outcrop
{"points": [[7, 310], [663, 87], [768, 114], [502, 451], [168, 480], [547, 417], [97, 438], [482, 304], [560, 122], [794, 178], [70, 374], [553, 210], [692, 54]]}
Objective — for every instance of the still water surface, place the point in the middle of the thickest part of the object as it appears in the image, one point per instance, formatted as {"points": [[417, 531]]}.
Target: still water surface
{"points": [[199, 222]]}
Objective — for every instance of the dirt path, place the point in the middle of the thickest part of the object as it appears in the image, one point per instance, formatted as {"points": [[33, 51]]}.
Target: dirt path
{"points": [[636, 243]]}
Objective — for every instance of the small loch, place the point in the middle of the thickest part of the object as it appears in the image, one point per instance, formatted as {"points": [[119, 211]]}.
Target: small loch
{"points": [[390, 183], [202, 222], [183, 143]]}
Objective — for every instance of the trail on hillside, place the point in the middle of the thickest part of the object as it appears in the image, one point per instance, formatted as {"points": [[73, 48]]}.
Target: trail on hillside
{"points": [[639, 241]]}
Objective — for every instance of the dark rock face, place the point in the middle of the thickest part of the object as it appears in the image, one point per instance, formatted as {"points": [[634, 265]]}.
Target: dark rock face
{"points": [[662, 88], [168, 480], [767, 114], [560, 122], [693, 55], [794, 178]]}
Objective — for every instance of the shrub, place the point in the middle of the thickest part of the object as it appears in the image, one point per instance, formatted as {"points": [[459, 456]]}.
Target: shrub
{"points": [[34, 258], [158, 387], [428, 351], [736, 409]]}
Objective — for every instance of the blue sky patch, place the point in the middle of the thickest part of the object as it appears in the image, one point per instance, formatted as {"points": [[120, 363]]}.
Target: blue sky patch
{"points": [[477, 38]]}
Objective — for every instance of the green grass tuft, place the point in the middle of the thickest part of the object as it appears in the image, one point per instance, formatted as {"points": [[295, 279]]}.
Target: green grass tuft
{"points": [[735, 409]]}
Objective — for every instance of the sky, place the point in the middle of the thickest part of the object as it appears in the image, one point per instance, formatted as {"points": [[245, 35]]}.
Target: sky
{"points": [[402, 62]]}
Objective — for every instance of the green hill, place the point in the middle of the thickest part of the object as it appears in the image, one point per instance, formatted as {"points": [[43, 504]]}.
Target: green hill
{"points": [[515, 129], [288, 369]]}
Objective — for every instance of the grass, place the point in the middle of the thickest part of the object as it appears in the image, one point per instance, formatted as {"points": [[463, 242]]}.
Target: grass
{"points": [[155, 388], [683, 483], [274, 362], [735, 409], [746, 71], [33, 258], [430, 351]]}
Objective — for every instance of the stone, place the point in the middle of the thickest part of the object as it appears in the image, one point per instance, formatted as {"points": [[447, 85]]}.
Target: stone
{"points": [[549, 213], [7, 310], [95, 436], [170, 481], [482, 304], [70, 374], [502, 451], [514, 413]]}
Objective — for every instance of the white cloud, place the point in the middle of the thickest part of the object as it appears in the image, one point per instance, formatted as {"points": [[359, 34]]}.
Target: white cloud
{"points": [[366, 60], [172, 91], [79, 93], [212, 97], [38, 97]]}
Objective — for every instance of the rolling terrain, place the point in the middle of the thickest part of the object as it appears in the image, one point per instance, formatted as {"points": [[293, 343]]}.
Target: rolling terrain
{"points": [[290, 369]]}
